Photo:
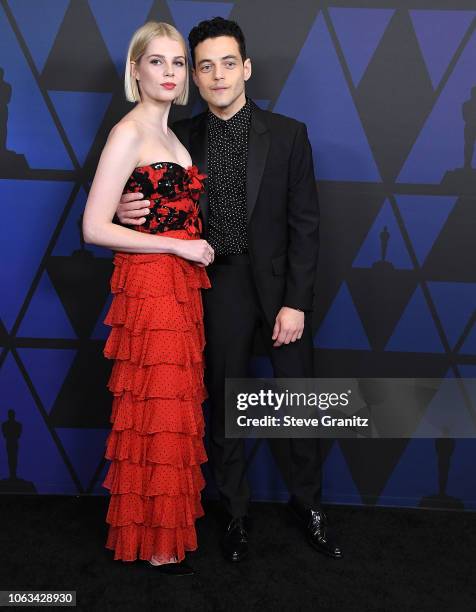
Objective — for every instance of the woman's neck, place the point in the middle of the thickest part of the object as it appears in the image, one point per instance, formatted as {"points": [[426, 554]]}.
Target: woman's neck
{"points": [[155, 114]]}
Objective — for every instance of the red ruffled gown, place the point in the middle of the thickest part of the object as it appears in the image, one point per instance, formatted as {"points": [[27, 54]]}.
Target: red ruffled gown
{"points": [[155, 444]]}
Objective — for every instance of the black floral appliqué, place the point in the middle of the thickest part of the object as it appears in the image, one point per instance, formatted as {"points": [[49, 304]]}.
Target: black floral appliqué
{"points": [[173, 192]]}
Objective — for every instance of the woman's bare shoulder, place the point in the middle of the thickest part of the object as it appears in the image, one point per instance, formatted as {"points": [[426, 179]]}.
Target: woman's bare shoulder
{"points": [[127, 128]]}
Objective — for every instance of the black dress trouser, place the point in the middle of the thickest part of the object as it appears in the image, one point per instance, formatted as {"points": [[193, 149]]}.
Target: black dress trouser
{"points": [[232, 317]]}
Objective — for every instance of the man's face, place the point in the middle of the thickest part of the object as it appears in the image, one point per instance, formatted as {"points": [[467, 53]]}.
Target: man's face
{"points": [[220, 72]]}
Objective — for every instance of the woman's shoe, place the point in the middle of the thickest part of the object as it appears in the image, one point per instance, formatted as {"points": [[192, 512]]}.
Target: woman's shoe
{"points": [[174, 569]]}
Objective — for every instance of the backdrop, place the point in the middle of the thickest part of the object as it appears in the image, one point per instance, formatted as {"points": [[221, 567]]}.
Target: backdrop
{"points": [[388, 92]]}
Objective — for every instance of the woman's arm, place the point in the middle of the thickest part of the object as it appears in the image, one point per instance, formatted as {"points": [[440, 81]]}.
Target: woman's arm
{"points": [[117, 161]]}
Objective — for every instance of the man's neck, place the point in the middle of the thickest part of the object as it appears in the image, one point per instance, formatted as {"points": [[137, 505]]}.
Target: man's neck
{"points": [[228, 112]]}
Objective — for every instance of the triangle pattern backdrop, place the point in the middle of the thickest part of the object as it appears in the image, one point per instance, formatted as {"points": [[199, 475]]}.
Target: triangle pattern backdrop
{"points": [[359, 32], [396, 285], [31, 130]]}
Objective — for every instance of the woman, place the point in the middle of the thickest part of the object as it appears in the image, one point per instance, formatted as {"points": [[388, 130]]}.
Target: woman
{"points": [[155, 444]]}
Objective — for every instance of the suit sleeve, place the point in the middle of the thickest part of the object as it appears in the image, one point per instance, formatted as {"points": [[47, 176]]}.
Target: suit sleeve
{"points": [[180, 129], [303, 225]]}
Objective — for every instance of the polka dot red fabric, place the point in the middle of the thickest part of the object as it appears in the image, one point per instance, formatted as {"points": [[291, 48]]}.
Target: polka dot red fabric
{"points": [[155, 445]]}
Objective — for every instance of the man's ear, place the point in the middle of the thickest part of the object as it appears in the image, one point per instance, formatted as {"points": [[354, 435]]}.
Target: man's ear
{"points": [[194, 77], [247, 70]]}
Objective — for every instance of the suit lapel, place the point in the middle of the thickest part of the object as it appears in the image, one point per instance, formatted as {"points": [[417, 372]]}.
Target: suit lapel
{"points": [[258, 147], [198, 153]]}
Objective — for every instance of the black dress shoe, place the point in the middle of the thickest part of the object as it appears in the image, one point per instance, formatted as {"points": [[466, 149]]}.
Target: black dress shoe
{"points": [[235, 541], [316, 526], [174, 569]]}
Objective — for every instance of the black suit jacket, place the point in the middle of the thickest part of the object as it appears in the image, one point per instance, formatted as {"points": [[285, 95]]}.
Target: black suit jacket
{"points": [[282, 203]]}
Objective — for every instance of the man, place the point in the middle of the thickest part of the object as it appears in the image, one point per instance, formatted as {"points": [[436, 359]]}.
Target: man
{"points": [[261, 216]]}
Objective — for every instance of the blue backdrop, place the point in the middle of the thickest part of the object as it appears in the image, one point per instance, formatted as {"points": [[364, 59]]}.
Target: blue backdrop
{"points": [[388, 95]]}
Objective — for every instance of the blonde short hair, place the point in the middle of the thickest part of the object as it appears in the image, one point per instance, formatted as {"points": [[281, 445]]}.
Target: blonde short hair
{"points": [[139, 41]]}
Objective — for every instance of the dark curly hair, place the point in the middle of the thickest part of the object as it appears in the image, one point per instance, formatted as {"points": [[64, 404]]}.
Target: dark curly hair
{"points": [[212, 28]]}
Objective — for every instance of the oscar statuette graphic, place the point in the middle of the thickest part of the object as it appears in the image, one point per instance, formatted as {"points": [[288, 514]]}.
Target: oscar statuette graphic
{"points": [[463, 180], [383, 264], [11, 163], [444, 450], [11, 432]]}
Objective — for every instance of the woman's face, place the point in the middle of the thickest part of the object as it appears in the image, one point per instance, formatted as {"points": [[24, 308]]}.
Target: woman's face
{"points": [[161, 70]]}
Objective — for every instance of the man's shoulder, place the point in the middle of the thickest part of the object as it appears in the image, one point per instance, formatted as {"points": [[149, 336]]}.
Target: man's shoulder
{"points": [[274, 121], [185, 125], [280, 121]]}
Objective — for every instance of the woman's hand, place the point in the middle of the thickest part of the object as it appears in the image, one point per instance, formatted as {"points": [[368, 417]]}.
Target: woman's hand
{"points": [[198, 251]]}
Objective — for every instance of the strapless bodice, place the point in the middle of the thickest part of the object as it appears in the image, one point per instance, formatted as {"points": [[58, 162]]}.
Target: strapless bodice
{"points": [[173, 191]]}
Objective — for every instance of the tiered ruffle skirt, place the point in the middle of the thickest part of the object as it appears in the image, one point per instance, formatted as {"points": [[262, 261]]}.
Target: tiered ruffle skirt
{"points": [[156, 441]]}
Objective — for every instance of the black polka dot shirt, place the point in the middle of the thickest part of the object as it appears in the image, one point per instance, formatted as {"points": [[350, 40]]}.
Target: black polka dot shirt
{"points": [[227, 158]]}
